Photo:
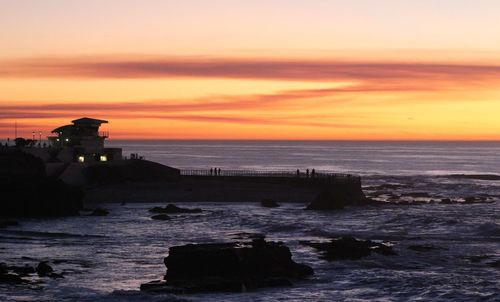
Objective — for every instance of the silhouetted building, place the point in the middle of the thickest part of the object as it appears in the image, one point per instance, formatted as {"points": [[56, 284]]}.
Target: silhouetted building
{"points": [[82, 142]]}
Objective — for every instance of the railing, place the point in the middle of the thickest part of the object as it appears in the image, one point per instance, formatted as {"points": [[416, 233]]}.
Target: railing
{"points": [[270, 174]]}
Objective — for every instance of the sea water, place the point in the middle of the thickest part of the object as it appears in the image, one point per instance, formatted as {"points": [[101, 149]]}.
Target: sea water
{"points": [[107, 258]]}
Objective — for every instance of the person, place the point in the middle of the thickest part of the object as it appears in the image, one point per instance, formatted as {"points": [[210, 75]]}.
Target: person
{"points": [[313, 173], [298, 173], [219, 171], [307, 172], [211, 171]]}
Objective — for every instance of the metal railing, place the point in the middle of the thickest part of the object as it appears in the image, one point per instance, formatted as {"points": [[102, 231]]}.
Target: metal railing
{"points": [[271, 174]]}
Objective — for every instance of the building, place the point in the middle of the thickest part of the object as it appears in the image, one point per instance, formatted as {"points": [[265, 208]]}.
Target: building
{"points": [[82, 142]]}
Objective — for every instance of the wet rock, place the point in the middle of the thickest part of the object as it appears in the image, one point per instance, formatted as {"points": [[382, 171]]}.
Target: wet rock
{"points": [[99, 212], [173, 209], [447, 201], [7, 278], [160, 217], [349, 248], [43, 269], [228, 267], [23, 271], [269, 203]]}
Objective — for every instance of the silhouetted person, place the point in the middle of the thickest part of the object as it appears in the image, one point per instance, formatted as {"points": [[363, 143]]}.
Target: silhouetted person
{"points": [[219, 171], [298, 173], [211, 171], [313, 173], [307, 172]]}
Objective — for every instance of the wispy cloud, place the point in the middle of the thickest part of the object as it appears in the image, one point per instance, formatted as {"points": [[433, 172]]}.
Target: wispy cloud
{"points": [[260, 69]]}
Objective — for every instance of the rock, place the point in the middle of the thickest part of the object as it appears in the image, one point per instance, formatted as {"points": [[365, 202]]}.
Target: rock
{"points": [[99, 212], [23, 270], [228, 267], [269, 203], [157, 210], [11, 279], [173, 209], [447, 201], [43, 269], [27, 191], [349, 248], [160, 217]]}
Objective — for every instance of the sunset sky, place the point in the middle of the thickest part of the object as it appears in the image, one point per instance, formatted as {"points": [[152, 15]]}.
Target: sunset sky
{"points": [[270, 69]]}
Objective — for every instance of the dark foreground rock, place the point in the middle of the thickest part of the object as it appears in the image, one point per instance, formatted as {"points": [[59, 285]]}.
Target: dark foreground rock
{"points": [[269, 203], [13, 274], [349, 248], [228, 267], [28, 192], [173, 209]]}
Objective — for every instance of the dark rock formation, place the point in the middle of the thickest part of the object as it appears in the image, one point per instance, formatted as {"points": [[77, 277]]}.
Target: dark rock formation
{"points": [[335, 196], [173, 209], [99, 212], [28, 192], [349, 248], [269, 203], [160, 217], [228, 267], [43, 269]]}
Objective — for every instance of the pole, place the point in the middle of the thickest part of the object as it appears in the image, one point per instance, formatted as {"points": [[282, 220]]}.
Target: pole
{"points": [[15, 129], [40, 138]]}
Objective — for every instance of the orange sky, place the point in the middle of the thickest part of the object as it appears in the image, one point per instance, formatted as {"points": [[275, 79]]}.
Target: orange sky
{"points": [[260, 70]]}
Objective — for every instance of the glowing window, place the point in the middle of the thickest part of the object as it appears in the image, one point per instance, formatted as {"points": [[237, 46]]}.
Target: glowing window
{"points": [[81, 159], [103, 157]]}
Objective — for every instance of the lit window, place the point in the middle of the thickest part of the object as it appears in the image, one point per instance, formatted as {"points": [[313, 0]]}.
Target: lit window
{"points": [[103, 157], [81, 159]]}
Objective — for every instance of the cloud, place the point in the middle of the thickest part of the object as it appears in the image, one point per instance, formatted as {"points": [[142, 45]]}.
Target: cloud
{"points": [[244, 68]]}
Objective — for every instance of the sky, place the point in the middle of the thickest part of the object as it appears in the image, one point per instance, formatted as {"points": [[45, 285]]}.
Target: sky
{"points": [[228, 69]]}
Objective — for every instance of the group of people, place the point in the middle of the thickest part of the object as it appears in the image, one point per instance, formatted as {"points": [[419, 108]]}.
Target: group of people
{"points": [[214, 171], [312, 174]]}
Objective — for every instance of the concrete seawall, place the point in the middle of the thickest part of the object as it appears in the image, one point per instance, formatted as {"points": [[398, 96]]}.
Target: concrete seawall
{"points": [[195, 188]]}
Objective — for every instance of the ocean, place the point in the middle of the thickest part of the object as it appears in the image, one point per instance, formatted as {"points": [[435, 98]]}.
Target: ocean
{"points": [[107, 258]]}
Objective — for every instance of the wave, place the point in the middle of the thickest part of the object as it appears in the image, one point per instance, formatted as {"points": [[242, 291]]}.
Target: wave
{"points": [[27, 234], [474, 176]]}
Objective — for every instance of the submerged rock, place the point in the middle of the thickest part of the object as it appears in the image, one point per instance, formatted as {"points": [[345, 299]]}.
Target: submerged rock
{"points": [[43, 269], [160, 217], [99, 212], [269, 203], [349, 248], [173, 209], [228, 267]]}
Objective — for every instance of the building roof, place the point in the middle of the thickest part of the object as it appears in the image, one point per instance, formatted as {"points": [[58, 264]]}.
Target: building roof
{"points": [[62, 128], [88, 120]]}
